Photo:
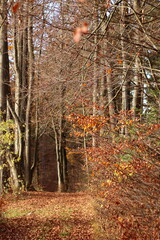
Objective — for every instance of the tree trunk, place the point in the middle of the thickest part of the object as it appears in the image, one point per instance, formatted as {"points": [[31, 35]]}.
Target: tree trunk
{"points": [[13, 173], [18, 82], [123, 31], [5, 88], [111, 104], [60, 137], [136, 103], [27, 160], [4, 73], [24, 68], [95, 71], [1, 87], [59, 160]]}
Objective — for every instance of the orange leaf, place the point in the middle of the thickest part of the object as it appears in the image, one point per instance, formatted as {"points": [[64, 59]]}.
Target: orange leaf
{"points": [[120, 61], [84, 28], [16, 7], [88, 65], [77, 34], [107, 5], [109, 71], [79, 31]]}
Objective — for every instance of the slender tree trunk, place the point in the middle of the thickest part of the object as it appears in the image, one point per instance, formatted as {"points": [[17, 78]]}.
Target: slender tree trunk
{"points": [[111, 104], [61, 156], [123, 32], [58, 159], [27, 161], [137, 87], [4, 73], [18, 80], [136, 103], [34, 170], [4, 61], [1, 87], [95, 72]]}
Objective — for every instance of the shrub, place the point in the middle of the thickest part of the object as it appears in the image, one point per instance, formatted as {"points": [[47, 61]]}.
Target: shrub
{"points": [[124, 175]]}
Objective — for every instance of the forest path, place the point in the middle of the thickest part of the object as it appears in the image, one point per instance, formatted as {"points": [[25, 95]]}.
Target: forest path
{"points": [[46, 215]]}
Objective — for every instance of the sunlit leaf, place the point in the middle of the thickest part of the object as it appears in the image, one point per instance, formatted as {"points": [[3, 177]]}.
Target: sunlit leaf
{"points": [[84, 28], [77, 34]]}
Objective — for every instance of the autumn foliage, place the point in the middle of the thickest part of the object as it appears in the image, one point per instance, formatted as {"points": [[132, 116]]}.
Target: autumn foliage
{"points": [[124, 174], [79, 31], [15, 7]]}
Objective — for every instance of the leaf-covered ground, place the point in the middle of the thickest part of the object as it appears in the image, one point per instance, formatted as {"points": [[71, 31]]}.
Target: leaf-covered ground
{"points": [[46, 215]]}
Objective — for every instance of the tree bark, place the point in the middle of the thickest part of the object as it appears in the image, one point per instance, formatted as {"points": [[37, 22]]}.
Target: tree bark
{"points": [[5, 91], [123, 31], [27, 160], [95, 70], [4, 73], [24, 68], [18, 82], [136, 103], [111, 104], [13, 173]]}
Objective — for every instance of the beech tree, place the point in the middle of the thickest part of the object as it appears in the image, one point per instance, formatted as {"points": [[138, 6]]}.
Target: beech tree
{"points": [[3, 42], [24, 74]]}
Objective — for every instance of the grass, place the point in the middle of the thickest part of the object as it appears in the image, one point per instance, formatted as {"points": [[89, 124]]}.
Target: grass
{"points": [[66, 231], [14, 213], [66, 214], [43, 217]]}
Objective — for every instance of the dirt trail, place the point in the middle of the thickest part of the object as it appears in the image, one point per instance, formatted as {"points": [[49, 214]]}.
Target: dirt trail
{"points": [[44, 215]]}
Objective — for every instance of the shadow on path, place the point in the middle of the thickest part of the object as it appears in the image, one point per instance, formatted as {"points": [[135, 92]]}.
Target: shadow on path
{"points": [[48, 216]]}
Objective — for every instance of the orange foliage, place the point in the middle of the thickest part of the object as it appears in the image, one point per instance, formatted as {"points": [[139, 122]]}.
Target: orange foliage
{"points": [[107, 4], [16, 7], [109, 71], [120, 61], [124, 175], [88, 123], [79, 31]]}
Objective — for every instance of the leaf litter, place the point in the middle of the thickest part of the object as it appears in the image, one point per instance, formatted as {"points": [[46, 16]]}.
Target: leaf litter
{"points": [[48, 216]]}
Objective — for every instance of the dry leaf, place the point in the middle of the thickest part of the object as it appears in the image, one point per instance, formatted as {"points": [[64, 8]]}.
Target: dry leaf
{"points": [[109, 71], [84, 28], [79, 31], [16, 7], [77, 34]]}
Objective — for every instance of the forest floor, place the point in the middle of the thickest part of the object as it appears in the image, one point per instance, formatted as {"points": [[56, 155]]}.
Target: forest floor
{"points": [[46, 215]]}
